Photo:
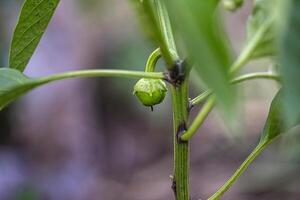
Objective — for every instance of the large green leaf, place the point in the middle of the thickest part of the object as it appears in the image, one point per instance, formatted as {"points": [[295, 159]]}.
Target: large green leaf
{"points": [[262, 17], [198, 29], [275, 123], [290, 59], [33, 21]]}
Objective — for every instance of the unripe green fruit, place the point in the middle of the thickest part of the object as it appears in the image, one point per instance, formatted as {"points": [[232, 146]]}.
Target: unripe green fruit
{"points": [[150, 91]]}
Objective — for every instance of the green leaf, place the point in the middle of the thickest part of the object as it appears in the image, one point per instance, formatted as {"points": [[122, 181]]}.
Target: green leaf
{"points": [[275, 123], [147, 13], [262, 13], [289, 58], [33, 21], [198, 29], [12, 85]]}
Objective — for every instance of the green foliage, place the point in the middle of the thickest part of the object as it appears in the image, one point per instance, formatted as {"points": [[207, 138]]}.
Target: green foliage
{"points": [[150, 91], [274, 125], [12, 85], [197, 27], [262, 17], [289, 59], [202, 40], [33, 21]]}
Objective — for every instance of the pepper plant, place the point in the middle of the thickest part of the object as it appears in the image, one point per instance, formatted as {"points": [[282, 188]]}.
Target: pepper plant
{"points": [[190, 39]]}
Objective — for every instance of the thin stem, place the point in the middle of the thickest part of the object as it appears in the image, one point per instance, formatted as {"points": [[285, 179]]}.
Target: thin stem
{"points": [[198, 121], [258, 149], [255, 75], [152, 60], [166, 29], [101, 73], [202, 97], [250, 76]]}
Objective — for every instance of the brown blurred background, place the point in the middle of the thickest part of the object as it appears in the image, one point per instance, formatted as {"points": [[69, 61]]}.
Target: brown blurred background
{"points": [[90, 139]]}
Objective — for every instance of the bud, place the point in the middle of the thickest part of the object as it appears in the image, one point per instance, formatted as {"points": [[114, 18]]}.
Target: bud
{"points": [[150, 91]]}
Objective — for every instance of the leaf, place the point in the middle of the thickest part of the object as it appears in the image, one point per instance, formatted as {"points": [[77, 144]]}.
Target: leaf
{"points": [[289, 44], [13, 84], [275, 123], [33, 21], [198, 28], [262, 13], [149, 20]]}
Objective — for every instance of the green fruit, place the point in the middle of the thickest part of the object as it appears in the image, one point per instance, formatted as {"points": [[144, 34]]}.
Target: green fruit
{"points": [[150, 91]]}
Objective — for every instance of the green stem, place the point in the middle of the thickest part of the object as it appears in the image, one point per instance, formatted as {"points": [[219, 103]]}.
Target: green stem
{"points": [[101, 73], [202, 97], [181, 149], [256, 75], [166, 29], [152, 60], [258, 149], [198, 121], [180, 112]]}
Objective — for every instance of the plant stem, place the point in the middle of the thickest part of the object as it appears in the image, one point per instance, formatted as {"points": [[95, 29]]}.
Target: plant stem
{"points": [[181, 149], [166, 29], [180, 104], [202, 97], [258, 149], [208, 106], [250, 76], [101, 73], [152, 60], [255, 75]]}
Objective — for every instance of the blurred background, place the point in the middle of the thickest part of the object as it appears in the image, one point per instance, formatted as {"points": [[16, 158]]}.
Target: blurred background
{"points": [[90, 139]]}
